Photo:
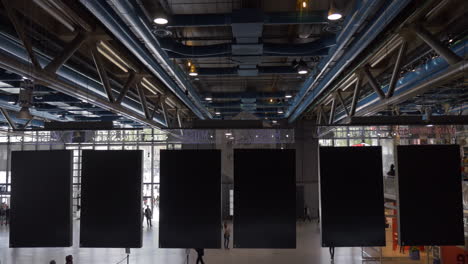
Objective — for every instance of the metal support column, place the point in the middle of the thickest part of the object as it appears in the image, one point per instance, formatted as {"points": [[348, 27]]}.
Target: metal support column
{"points": [[179, 121], [144, 105], [67, 52], [373, 82], [102, 72], [19, 28], [436, 45], [132, 78], [323, 114], [356, 95], [396, 69], [164, 110], [340, 97], [332, 111], [319, 117]]}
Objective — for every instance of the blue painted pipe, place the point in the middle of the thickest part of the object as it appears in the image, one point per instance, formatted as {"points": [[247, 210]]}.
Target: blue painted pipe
{"points": [[411, 79], [383, 18], [315, 48], [121, 31]]}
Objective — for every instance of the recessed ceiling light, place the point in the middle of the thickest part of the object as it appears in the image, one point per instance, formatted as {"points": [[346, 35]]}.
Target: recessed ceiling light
{"points": [[228, 134], [208, 98], [280, 112], [288, 96], [334, 16], [333, 13], [217, 113], [302, 71], [161, 20], [193, 74]]}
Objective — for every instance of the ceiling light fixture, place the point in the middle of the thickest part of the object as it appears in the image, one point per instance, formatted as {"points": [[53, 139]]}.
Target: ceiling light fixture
{"points": [[189, 63], [333, 13], [271, 100], [280, 112], [218, 113], [304, 4], [302, 67], [24, 113], [161, 18], [228, 134], [288, 96], [193, 71], [208, 98]]}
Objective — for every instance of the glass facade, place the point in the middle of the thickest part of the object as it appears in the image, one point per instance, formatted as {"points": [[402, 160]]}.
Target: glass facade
{"points": [[150, 141]]}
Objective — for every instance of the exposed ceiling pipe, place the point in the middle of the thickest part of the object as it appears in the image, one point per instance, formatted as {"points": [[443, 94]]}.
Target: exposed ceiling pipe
{"points": [[153, 60], [429, 75], [55, 14], [234, 71], [325, 77], [278, 18], [315, 48], [362, 10]]}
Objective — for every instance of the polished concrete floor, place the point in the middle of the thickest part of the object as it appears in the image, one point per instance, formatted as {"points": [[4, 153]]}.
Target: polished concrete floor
{"points": [[308, 251]]}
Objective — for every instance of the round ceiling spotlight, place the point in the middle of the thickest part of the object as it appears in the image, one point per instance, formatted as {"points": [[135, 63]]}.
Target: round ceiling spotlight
{"points": [[288, 96], [161, 18], [333, 13], [193, 70]]}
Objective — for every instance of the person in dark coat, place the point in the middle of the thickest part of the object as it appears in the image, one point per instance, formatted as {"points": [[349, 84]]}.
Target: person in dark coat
{"points": [[69, 259], [200, 253], [148, 215]]}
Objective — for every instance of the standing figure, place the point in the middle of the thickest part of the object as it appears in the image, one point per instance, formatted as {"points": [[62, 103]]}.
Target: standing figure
{"points": [[227, 235], [69, 259], [307, 214], [201, 253], [148, 215]]}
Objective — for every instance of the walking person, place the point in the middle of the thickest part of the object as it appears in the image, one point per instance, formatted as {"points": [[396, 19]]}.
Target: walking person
{"points": [[2, 213], [7, 215], [227, 235], [69, 259], [200, 254], [307, 214], [148, 215]]}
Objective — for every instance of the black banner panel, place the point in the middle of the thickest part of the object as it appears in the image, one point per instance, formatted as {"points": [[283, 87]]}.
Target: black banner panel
{"points": [[41, 199], [190, 199], [351, 197], [264, 198], [430, 195], [111, 201]]}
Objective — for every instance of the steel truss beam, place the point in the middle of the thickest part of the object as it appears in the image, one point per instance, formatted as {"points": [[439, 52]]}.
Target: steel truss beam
{"points": [[102, 72], [436, 45], [8, 118], [67, 52], [397, 69], [373, 82], [19, 28], [53, 81], [144, 106], [131, 80]]}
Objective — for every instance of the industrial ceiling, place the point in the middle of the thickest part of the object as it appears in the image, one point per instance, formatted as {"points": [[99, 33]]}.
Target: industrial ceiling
{"points": [[277, 61]]}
